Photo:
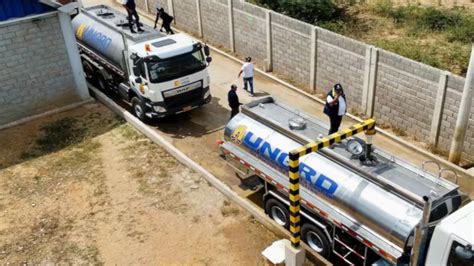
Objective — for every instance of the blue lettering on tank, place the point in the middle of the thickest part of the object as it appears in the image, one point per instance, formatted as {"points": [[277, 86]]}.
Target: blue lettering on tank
{"points": [[326, 184], [283, 161], [266, 150], [308, 175], [96, 39], [252, 144]]}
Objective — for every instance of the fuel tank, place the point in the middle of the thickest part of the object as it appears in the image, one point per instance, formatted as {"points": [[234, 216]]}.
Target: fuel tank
{"points": [[106, 30]]}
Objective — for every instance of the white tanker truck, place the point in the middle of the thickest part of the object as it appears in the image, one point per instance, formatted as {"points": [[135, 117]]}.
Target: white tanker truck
{"points": [[159, 75], [361, 212]]}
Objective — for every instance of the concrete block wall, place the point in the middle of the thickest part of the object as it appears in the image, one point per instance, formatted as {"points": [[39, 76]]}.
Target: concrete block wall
{"points": [[406, 94], [291, 53], [405, 90], [35, 71], [249, 31], [339, 65], [215, 22], [152, 4], [185, 15]]}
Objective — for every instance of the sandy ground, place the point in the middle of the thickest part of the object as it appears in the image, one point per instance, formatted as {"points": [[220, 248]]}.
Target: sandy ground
{"points": [[110, 196]]}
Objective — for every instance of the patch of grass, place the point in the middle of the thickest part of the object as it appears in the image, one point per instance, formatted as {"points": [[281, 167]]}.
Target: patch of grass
{"points": [[228, 209], [74, 164], [47, 241], [55, 136], [398, 131]]}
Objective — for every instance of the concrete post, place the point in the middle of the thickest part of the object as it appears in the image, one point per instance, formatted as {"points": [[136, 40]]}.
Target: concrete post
{"points": [[199, 18], [365, 86], [269, 65], [314, 59], [171, 10], [147, 8], [230, 6], [371, 90], [72, 51], [439, 106], [463, 114], [294, 256]]}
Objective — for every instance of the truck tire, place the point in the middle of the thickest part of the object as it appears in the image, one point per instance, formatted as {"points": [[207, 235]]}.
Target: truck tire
{"points": [[278, 212], [138, 109], [88, 71], [316, 239], [101, 83]]}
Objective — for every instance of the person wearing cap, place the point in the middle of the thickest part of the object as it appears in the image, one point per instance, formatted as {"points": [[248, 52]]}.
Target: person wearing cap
{"points": [[166, 20], [233, 99], [247, 70], [335, 107]]}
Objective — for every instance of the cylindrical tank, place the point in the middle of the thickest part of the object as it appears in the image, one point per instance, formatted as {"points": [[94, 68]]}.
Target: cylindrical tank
{"points": [[100, 37], [368, 204]]}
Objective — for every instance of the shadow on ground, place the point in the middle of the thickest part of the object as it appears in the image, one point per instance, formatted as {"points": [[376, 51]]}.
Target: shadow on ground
{"points": [[51, 134]]}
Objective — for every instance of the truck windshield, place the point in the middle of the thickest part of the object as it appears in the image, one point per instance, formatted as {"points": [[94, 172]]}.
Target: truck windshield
{"points": [[176, 67]]}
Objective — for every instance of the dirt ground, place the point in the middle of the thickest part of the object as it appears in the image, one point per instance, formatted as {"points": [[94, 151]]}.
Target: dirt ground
{"points": [[83, 187]]}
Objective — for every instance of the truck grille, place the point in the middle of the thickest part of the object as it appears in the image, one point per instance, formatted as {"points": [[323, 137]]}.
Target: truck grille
{"points": [[184, 99]]}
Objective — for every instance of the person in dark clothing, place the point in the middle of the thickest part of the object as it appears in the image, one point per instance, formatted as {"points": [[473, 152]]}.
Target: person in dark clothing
{"points": [[233, 100], [166, 20], [335, 107], [132, 12]]}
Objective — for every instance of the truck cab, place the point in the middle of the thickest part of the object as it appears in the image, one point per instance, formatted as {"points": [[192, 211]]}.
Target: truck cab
{"points": [[159, 75], [453, 239], [170, 75]]}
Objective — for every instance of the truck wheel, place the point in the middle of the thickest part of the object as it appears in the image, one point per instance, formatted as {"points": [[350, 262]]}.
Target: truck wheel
{"points": [[88, 70], [102, 83], [316, 239], [138, 109], [278, 212]]}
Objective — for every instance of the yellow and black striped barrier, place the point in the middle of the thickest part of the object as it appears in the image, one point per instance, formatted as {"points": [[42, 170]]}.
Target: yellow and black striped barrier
{"points": [[294, 164]]}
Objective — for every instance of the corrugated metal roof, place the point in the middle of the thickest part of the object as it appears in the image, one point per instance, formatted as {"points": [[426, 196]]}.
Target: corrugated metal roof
{"points": [[21, 8]]}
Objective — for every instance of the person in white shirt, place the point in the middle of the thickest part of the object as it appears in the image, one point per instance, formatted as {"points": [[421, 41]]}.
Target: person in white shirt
{"points": [[247, 70], [335, 107]]}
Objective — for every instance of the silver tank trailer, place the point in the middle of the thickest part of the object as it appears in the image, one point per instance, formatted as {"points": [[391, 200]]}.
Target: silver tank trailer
{"points": [[103, 39], [379, 210], [99, 27]]}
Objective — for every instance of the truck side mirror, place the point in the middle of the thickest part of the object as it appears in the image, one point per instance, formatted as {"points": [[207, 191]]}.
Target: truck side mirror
{"points": [[207, 52], [208, 59], [138, 80], [465, 253], [136, 71]]}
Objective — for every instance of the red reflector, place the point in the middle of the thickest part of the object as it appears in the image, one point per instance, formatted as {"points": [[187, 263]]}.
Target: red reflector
{"points": [[219, 142]]}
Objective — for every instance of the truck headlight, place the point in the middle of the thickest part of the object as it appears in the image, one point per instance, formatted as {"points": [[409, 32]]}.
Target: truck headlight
{"points": [[208, 92], [159, 109]]}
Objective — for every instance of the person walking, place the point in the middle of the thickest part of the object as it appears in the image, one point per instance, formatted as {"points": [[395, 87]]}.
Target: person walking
{"points": [[132, 12], [166, 20], [247, 70], [233, 99], [335, 107]]}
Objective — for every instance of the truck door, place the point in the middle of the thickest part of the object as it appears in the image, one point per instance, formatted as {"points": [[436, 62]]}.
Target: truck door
{"points": [[139, 78]]}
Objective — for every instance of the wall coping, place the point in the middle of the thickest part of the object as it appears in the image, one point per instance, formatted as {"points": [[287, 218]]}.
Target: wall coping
{"points": [[14, 21]]}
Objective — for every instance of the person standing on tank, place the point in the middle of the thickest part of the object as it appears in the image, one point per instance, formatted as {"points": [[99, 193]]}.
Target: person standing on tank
{"points": [[131, 8], [166, 20], [335, 107], [233, 99]]}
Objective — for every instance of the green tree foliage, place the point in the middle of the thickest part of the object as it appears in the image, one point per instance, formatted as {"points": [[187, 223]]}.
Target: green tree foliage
{"points": [[310, 11]]}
